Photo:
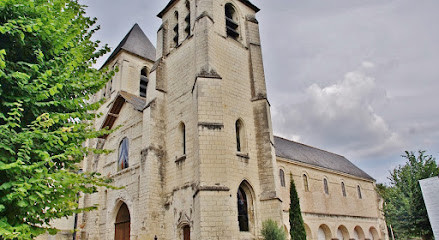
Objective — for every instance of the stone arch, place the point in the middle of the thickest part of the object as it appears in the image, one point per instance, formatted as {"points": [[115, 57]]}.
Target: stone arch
{"points": [[324, 233], [122, 222], [342, 233], [358, 233], [245, 207], [373, 234], [308, 232]]}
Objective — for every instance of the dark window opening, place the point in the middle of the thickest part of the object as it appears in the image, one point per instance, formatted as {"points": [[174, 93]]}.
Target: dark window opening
{"points": [[238, 135], [325, 186], [343, 189], [282, 177], [242, 211], [183, 138], [187, 20], [122, 162], [359, 192], [143, 82], [176, 37], [231, 21]]}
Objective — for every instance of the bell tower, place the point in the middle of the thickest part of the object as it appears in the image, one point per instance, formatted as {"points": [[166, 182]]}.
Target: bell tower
{"points": [[219, 169]]}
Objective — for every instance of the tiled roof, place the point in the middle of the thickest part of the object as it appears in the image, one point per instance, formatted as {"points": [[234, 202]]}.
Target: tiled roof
{"points": [[306, 154], [135, 42]]}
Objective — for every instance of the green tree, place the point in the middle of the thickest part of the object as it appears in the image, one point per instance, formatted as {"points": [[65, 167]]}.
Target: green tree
{"points": [[404, 206], [297, 227], [46, 77], [270, 231]]}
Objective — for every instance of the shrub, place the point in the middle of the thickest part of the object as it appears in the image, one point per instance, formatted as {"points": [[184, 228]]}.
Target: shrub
{"points": [[270, 231]]}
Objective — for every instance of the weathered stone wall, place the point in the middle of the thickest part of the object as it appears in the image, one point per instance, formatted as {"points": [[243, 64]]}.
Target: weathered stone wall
{"points": [[333, 209]]}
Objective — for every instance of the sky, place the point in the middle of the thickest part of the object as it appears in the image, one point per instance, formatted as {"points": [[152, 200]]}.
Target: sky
{"points": [[359, 78]]}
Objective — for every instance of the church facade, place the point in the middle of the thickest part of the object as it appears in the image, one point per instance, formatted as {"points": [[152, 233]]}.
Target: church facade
{"points": [[194, 151]]}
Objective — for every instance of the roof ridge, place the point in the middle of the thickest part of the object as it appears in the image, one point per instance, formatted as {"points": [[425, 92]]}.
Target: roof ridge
{"points": [[306, 145], [150, 48]]}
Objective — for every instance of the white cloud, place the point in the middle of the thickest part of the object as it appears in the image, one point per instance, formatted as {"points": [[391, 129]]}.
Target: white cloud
{"points": [[341, 116]]}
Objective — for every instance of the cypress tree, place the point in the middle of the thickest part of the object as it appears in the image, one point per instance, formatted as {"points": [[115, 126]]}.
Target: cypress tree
{"points": [[297, 227]]}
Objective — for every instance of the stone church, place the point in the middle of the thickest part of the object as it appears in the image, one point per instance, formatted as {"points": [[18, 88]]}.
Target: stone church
{"points": [[193, 143]]}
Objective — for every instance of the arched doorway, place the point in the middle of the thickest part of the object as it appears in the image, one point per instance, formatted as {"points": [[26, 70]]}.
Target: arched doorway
{"points": [[342, 233], [122, 223], [245, 207]]}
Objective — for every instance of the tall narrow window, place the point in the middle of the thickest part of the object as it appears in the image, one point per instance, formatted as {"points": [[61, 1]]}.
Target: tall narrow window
{"points": [[343, 189], [143, 82], [325, 186], [176, 37], [123, 161], [231, 21], [359, 192], [241, 142], [183, 138], [242, 210], [187, 20], [238, 135], [282, 177], [305, 183]]}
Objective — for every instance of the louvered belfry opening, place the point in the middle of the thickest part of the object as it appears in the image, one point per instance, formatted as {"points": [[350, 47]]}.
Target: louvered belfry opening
{"points": [[187, 19], [122, 223], [176, 36], [143, 82], [231, 21]]}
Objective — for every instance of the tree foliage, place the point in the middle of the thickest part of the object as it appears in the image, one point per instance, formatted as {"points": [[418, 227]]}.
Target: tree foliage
{"points": [[270, 231], [404, 206], [46, 76], [297, 227]]}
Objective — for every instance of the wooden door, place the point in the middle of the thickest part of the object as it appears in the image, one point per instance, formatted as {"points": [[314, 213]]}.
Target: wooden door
{"points": [[186, 233], [122, 224]]}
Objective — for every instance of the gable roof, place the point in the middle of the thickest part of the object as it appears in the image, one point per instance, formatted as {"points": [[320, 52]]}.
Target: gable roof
{"points": [[306, 154], [135, 42], [117, 104], [172, 2]]}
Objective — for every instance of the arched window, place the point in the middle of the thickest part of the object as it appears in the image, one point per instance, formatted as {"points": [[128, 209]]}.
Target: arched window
{"points": [[122, 223], [241, 142], [305, 183], [187, 20], [123, 161], [183, 138], [343, 189], [359, 192], [325, 186], [232, 26], [282, 177], [176, 37], [143, 82]]}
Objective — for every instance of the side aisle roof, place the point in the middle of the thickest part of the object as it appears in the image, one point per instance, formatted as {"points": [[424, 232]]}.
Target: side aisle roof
{"points": [[306, 154]]}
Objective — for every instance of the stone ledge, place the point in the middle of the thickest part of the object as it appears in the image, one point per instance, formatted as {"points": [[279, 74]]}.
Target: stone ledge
{"points": [[216, 188]]}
